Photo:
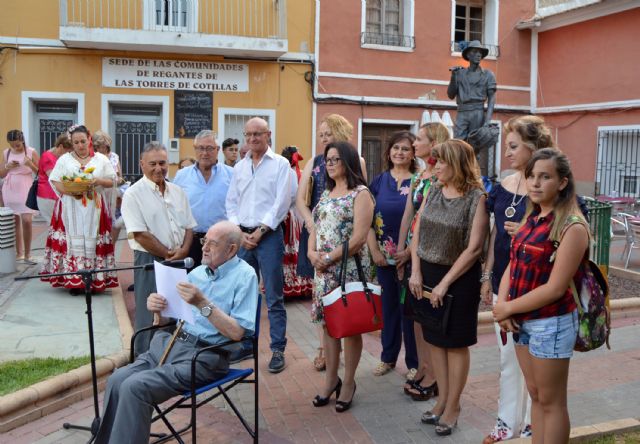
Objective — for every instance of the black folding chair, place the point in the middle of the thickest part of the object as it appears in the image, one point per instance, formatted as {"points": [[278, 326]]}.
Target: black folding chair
{"points": [[219, 387]]}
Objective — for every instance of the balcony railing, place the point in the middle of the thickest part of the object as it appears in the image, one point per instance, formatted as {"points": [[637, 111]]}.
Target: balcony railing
{"points": [[264, 19], [380, 38], [494, 50]]}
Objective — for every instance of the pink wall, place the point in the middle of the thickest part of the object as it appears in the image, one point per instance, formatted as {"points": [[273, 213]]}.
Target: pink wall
{"points": [[340, 49], [590, 62], [577, 135]]}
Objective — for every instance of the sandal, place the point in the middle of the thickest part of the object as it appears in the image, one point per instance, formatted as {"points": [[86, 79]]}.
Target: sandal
{"points": [[424, 393], [383, 368], [319, 362], [411, 384]]}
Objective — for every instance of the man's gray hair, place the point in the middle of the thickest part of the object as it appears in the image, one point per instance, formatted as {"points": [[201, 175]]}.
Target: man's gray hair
{"points": [[207, 133], [154, 145]]}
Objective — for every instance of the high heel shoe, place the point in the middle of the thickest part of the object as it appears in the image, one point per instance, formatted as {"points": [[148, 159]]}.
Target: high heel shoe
{"points": [[412, 384], [343, 406], [319, 401], [443, 429], [429, 417], [424, 393]]}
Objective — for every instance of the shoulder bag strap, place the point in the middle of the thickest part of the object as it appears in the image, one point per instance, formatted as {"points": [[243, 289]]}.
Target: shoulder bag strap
{"points": [[343, 266]]}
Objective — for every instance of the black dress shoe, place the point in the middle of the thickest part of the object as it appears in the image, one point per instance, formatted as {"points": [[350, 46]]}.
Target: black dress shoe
{"points": [[343, 406], [319, 401]]}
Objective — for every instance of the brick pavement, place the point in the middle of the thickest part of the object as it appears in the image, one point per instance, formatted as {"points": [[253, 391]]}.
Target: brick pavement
{"points": [[604, 385]]}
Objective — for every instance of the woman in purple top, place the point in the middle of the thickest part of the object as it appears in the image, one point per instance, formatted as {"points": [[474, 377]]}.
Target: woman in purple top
{"points": [[390, 190]]}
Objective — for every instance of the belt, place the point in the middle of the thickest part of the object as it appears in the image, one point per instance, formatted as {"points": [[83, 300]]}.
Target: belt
{"points": [[248, 230], [191, 339]]}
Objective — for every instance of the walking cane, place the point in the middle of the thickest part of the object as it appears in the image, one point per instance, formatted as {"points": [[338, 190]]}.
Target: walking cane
{"points": [[171, 342]]}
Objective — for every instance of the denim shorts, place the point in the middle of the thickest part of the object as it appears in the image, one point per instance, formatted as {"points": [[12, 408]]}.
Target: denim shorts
{"points": [[549, 338]]}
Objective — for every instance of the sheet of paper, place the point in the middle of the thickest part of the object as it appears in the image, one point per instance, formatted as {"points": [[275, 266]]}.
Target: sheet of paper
{"points": [[166, 280]]}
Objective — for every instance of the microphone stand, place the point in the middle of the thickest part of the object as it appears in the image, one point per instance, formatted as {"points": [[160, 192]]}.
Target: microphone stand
{"points": [[87, 279]]}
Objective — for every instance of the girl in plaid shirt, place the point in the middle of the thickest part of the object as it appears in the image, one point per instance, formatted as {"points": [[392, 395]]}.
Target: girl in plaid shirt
{"points": [[534, 299]]}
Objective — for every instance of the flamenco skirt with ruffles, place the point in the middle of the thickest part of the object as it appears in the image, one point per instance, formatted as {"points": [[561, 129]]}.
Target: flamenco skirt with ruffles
{"points": [[87, 246]]}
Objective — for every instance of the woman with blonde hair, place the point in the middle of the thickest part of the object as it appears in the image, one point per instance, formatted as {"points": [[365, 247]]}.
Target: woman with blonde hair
{"points": [[445, 268], [535, 301], [333, 128], [524, 135], [421, 382]]}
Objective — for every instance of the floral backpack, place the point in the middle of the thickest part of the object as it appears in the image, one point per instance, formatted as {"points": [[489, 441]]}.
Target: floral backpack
{"points": [[594, 317]]}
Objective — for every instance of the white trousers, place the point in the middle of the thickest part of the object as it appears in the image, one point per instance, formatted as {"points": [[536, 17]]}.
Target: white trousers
{"points": [[514, 403]]}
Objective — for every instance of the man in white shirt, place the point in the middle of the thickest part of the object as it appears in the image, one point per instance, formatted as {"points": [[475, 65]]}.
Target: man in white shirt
{"points": [[158, 219], [258, 200]]}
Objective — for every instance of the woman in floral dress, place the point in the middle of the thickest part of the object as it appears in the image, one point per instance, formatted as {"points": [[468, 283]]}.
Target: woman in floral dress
{"points": [[80, 233], [344, 212], [390, 190]]}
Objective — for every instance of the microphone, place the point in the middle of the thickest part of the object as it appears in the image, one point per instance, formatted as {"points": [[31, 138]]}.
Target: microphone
{"points": [[187, 262]]}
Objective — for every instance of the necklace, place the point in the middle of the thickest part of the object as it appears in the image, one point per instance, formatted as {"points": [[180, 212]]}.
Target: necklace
{"points": [[80, 157], [511, 210]]}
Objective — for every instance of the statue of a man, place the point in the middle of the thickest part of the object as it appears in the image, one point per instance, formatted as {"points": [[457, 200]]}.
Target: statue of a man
{"points": [[471, 87]]}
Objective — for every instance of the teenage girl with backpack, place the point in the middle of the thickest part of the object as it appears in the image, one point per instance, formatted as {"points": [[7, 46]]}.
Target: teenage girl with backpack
{"points": [[535, 301]]}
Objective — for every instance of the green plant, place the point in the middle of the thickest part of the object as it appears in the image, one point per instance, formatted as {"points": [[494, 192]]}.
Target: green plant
{"points": [[16, 375]]}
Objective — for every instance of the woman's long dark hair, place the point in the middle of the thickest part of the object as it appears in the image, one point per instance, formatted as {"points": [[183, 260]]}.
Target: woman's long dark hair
{"points": [[350, 160]]}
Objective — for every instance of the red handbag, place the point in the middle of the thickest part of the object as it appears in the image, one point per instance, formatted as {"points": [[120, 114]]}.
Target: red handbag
{"points": [[352, 308]]}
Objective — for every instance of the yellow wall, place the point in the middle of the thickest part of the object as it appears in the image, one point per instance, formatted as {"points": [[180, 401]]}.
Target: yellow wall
{"points": [[29, 18], [271, 86]]}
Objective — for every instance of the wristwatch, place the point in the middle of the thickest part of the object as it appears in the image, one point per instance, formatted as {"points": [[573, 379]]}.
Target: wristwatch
{"points": [[206, 310], [327, 258], [263, 229]]}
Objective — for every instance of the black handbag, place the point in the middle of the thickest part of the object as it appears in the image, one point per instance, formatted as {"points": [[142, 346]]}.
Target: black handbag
{"points": [[433, 319], [32, 196]]}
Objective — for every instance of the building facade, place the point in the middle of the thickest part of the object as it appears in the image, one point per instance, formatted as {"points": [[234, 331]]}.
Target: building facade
{"points": [[586, 88], [156, 70], [384, 64]]}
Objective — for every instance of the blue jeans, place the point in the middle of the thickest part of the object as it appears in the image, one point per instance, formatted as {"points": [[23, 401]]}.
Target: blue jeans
{"points": [[395, 325], [267, 258], [550, 338]]}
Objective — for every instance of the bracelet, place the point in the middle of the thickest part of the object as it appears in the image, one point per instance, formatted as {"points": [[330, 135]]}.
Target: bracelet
{"points": [[486, 276]]}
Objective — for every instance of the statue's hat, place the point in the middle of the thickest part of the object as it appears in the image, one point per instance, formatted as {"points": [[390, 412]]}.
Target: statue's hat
{"points": [[475, 44]]}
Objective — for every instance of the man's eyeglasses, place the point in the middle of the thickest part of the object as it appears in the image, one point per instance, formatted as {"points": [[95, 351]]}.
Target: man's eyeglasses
{"points": [[254, 134], [208, 242], [206, 149], [332, 160]]}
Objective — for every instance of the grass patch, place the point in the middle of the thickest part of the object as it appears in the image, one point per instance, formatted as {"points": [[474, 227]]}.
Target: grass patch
{"points": [[16, 375], [625, 438]]}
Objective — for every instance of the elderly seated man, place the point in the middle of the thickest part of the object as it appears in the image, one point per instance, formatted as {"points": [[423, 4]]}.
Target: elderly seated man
{"points": [[223, 293]]}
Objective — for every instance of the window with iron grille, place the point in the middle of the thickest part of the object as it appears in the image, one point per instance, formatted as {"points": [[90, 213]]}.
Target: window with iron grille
{"points": [[388, 23], [618, 162]]}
